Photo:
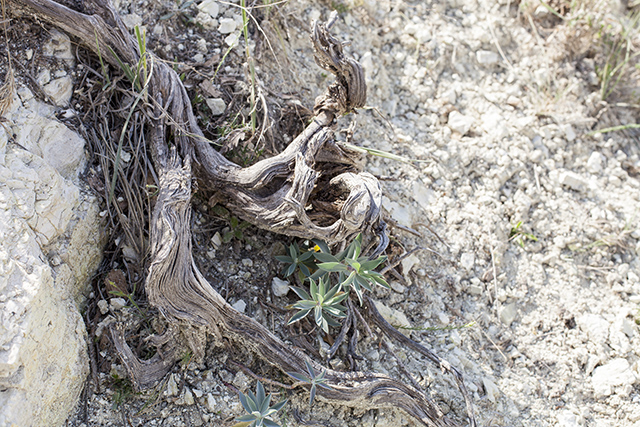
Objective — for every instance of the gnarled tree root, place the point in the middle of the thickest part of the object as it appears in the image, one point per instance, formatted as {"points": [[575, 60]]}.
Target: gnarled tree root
{"points": [[174, 284]]}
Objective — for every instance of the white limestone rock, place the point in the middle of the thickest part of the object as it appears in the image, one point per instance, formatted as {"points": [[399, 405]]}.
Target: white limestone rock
{"points": [[614, 374], [280, 287], [508, 313], [595, 326], [217, 106], [569, 132], [227, 26], [595, 164], [37, 130], [240, 306], [572, 180], [59, 90], [132, 20], [210, 7], [206, 21], [492, 390], [59, 46], [460, 123], [393, 316], [487, 57], [51, 243], [232, 39], [467, 261], [211, 403]]}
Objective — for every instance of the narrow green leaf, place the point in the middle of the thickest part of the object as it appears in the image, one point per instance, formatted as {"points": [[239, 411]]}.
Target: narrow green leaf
{"points": [[301, 293], [305, 270], [279, 405], [305, 256], [264, 403], [317, 314], [284, 258], [313, 289], [299, 377], [293, 252], [324, 325], [312, 372], [318, 274], [298, 316], [335, 311], [339, 298], [330, 322], [304, 305], [349, 279], [379, 279], [322, 287], [332, 292], [290, 270], [324, 257], [324, 385], [244, 402], [353, 263], [373, 264], [313, 395], [252, 401], [246, 418], [363, 282], [332, 266]]}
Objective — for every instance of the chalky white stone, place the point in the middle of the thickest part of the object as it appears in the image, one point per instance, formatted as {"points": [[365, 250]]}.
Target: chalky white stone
{"points": [[51, 244]]}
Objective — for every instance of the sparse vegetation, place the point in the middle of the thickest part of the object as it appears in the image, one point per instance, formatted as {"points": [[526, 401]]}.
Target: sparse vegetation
{"points": [[518, 235], [620, 48], [317, 265], [314, 379]]}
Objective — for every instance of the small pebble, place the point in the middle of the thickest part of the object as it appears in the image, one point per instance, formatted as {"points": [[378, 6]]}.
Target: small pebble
{"points": [[240, 306], [117, 303], [103, 306], [227, 25], [279, 287], [486, 57], [459, 122], [210, 7], [217, 106]]}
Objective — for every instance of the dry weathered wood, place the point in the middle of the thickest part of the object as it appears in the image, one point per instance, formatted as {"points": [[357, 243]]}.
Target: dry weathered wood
{"points": [[174, 283], [144, 373]]}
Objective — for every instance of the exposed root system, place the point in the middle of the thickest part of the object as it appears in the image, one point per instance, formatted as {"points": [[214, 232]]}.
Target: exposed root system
{"points": [[276, 194]]}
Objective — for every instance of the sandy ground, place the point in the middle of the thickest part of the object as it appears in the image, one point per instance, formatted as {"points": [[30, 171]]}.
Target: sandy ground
{"points": [[495, 100]]}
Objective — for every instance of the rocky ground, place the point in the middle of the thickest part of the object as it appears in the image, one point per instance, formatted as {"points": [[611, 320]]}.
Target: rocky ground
{"points": [[529, 276]]}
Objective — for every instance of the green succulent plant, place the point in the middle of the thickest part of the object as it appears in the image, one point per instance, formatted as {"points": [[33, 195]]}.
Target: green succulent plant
{"points": [[257, 406], [324, 302], [354, 271], [316, 380], [296, 260]]}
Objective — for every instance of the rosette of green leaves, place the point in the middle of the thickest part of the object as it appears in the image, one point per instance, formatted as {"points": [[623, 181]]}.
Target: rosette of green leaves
{"points": [[258, 408], [316, 380], [324, 302], [354, 271], [297, 259]]}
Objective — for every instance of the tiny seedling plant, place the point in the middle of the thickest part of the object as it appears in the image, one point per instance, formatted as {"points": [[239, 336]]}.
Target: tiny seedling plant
{"points": [[520, 236]]}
